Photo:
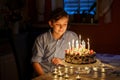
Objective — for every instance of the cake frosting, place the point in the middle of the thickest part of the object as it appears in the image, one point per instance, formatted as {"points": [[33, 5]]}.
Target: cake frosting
{"points": [[79, 52]]}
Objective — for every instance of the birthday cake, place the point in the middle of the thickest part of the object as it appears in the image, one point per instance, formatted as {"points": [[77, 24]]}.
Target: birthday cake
{"points": [[77, 53]]}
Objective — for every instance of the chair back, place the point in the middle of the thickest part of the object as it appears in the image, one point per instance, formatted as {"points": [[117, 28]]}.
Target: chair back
{"points": [[22, 53]]}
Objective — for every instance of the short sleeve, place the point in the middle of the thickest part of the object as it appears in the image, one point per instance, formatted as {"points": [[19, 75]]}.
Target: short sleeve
{"points": [[37, 50]]}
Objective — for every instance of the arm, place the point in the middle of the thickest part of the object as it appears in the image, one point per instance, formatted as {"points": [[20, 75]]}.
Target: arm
{"points": [[57, 61], [36, 58], [37, 67]]}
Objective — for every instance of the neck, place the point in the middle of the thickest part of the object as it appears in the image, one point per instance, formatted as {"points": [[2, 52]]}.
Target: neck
{"points": [[56, 36]]}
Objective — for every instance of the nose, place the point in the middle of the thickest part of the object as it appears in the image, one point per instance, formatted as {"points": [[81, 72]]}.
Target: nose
{"points": [[62, 26]]}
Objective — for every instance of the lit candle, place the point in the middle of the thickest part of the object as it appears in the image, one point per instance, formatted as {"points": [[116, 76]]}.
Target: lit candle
{"points": [[71, 70], [83, 44], [77, 44], [103, 75], [78, 77], [55, 71], [102, 69], [73, 43], [66, 69], [86, 68], [80, 39], [88, 43], [69, 45], [66, 76], [95, 75], [95, 69], [60, 73]]}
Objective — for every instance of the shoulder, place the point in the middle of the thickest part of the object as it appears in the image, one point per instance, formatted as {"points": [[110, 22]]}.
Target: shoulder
{"points": [[43, 36], [68, 32], [70, 35]]}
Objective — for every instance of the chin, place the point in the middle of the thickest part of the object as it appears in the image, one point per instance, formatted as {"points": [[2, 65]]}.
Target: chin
{"points": [[60, 34]]}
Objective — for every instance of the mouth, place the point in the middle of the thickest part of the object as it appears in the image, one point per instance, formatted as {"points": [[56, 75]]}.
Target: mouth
{"points": [[61, 30]]}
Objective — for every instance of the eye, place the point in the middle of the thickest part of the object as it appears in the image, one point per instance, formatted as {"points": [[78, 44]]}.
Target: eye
{"points": [[57, 24], [65, 24]]}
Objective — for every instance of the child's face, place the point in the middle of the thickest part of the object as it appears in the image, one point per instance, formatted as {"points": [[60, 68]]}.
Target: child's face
{"points": [[60, 26]]}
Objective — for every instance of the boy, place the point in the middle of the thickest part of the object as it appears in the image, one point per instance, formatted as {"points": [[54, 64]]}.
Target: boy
{"points": [[49, 47]]}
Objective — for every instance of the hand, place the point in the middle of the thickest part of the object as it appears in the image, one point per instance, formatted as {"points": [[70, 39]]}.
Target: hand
{"points": [[57, 61]]}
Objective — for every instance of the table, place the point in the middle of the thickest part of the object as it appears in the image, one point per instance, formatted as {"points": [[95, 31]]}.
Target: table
{"points": [[107, 66]]}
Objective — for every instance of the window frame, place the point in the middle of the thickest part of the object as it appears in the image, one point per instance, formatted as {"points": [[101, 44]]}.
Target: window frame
{"points": [[75, 17]]}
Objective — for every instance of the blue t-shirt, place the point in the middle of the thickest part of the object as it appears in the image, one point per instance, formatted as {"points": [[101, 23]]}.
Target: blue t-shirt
{"points": [[46, 47]]}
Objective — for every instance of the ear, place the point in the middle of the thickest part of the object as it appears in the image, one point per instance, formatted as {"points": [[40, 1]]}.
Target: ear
{"points": [[50, 23]]}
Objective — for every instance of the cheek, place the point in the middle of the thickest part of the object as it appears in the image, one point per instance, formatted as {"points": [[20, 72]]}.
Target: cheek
{"points": [[56, 29], [65, 28]]}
